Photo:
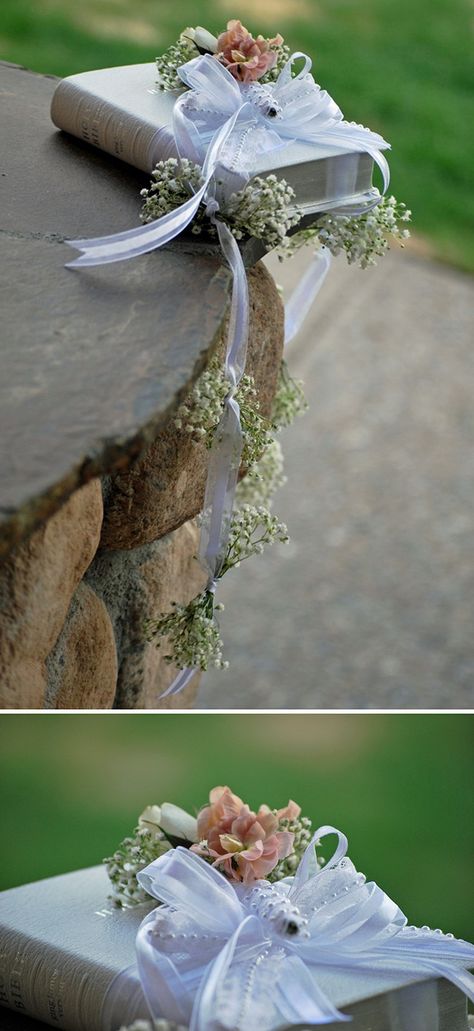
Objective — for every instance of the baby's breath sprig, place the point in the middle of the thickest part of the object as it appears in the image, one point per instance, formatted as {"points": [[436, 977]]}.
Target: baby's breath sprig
{"points": [[282, 52], [200, 413], [131, 856], [255, 428], [265, 209], [193, 633], [167, 63], [363, 238], [301, 828], [172, 183], [289, 400], [251, 529], [263, 478], [192, 630]]}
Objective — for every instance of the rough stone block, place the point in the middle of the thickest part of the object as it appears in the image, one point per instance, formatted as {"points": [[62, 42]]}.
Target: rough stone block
{"points": [[165, 487], [93, 362], [37, 582], [82, 667], [138, 585]]}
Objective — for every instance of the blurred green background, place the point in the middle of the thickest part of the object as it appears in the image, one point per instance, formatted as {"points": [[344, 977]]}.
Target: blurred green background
{"points": [[403, 68], [399, 786]]}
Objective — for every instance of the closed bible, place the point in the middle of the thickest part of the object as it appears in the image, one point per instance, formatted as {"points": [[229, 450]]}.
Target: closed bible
{"points": [[63, 943], [121, 111]]}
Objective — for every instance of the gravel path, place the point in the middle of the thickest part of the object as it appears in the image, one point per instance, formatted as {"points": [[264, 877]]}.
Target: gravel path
{"points": [[371, 604]]}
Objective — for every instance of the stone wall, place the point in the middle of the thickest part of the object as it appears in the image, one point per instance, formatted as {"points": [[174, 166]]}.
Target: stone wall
{"points": [[75, 596]]}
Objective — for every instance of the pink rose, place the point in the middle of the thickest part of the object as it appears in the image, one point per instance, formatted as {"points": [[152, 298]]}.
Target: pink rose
{"points": [[246, 846], [246, 58]]}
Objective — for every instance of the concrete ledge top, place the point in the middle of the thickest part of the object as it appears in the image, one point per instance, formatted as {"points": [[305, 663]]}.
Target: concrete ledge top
{"points": [[93, 361]]}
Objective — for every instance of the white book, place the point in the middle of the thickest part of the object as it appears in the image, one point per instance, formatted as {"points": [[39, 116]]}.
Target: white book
{"points": [[121, 111], [62, 943]]}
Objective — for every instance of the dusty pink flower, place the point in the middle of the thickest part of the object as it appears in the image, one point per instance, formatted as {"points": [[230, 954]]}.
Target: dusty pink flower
{"points": [[246, 58], [223, 809], [290, 812], [244, 845]]}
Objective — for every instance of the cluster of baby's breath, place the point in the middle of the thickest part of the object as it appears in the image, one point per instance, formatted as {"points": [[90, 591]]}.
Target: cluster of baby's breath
{"points": [[282, 52], [363, 238], [301, 828], [192, 632], [263, 478], [261, 209], [264, 209], [154, 1025], [252, 528], [255, 428], [200, 413], [289, 400], [132, 855], [202, 409], [168, 63], [172, 184]]}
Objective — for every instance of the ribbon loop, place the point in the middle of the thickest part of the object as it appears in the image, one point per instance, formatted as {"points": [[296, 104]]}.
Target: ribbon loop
{"points": [[183, 880]]}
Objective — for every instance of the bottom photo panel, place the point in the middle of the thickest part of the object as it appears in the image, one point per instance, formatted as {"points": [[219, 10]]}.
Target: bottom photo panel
{"points": [[236, 872]]}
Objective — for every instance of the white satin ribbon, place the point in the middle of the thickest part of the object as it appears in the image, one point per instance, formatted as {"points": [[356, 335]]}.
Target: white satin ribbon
{"points": [[304, 294], [219, 956]]}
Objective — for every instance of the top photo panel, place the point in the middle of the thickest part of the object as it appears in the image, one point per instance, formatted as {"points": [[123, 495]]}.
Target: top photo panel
{"points": [[236, 404]]}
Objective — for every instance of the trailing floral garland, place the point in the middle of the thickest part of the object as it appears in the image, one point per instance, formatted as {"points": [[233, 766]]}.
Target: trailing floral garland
{"points": [[192, 630], [265, 208], [245, 846]]}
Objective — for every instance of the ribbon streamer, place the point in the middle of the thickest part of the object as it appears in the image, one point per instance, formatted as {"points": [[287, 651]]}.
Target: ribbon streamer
{"points": [[224, 127], [219, 956]]}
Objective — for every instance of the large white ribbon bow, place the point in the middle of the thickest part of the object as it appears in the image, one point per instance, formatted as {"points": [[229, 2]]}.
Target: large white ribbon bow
{"points": [[221, 956]]}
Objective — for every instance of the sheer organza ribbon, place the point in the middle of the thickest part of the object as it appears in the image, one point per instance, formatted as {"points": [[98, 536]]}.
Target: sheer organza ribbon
{"points": [[217, 955], [224, 126]]}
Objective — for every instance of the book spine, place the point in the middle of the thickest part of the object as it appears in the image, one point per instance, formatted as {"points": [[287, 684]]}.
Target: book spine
{"points": [[100, 123], [55, 986]]}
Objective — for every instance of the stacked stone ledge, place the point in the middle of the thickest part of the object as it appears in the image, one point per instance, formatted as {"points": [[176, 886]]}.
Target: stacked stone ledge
{"points": [[75, 596]]}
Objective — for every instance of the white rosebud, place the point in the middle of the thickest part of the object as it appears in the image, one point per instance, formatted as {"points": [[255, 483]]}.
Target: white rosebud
{"points": [[178, 823], [201, 38], [150, 818]]}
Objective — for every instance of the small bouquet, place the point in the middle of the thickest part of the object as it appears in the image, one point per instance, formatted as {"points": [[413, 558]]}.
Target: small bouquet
{"points": [[253, 930], [245, 846], [265, 208]]}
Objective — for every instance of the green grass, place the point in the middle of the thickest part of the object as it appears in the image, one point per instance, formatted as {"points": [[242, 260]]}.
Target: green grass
{"points": [[403, 68], [72, 787]]}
